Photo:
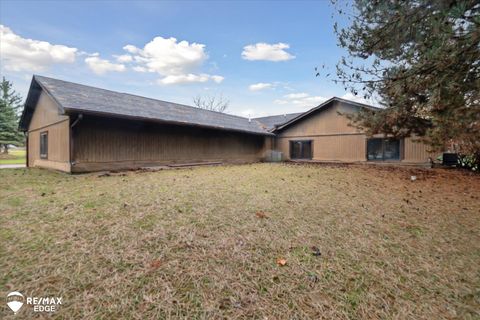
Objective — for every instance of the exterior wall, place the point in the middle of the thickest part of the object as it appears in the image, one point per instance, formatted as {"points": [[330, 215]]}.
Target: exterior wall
{"points": [[324, 122], [46, 118], [415, 151], [335, 140], [330, 148], [106, 144]]}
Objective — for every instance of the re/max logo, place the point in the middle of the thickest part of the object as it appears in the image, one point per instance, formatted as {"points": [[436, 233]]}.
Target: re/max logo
{"points": [[45, 300], [15, 301], [44, 304]]}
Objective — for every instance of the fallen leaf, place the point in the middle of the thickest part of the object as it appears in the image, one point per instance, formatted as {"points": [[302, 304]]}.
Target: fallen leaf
{"points": [[155, 264], [261, 215], [281, 262]]}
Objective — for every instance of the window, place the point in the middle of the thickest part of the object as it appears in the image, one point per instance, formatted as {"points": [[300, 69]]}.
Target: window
{"points": [[379, 149], [44, 145], [301, 149]]}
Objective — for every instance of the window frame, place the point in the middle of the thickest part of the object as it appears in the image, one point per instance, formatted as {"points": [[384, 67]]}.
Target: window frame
{"points": [[291, 142], [383, 141], [43, 155]]}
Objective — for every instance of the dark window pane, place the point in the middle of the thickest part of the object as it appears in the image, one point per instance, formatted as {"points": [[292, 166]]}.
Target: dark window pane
{"points": [[301, 149], [374, 149], [383, 149], [295, 149], [44, 145], [391, 149], [307, 150]]}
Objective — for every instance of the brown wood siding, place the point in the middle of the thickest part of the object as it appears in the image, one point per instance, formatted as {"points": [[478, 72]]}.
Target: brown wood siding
{"points": [[46, 113], [335, 140], [326, 121], [415, 151], [330, 148], [101, 144], [47, 118]]}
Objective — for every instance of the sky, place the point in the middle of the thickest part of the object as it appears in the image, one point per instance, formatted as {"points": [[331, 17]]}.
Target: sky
{"points": [[261, 56]]}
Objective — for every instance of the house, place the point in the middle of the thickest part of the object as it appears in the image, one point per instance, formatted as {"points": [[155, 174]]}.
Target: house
{"points": [[324, 133], [77, 128]]}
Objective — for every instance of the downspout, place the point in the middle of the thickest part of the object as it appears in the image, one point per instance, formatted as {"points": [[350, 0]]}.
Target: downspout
{"points": [[74, 123], [26, 148], [274, 139]]}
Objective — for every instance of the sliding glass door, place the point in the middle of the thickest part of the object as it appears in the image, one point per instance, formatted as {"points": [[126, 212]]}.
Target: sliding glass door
{"points": [[379, 149], [301, 149]]}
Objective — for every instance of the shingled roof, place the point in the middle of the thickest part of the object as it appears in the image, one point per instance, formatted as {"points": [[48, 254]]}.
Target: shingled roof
{"points": [[77, 98], [272, 121]]}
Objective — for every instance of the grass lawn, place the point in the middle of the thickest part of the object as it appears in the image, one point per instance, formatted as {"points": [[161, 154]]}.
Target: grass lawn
{"points": [[16, 156], [359, 243]]}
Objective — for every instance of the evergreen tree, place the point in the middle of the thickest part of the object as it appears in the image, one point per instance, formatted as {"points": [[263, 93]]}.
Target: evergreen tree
{"points": [[10, 104], [422, 59]]}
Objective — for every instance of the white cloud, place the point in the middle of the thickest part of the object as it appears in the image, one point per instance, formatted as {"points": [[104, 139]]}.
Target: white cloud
{"points": [[189, 78], [130, 48], [247, 113], [296, 95], [21, 54], [280, 101], [310, 101], [301, 99], [167, 57], [217, 79], [251, 113], [124, 58], [101, 66], [259, 86], [350, 96], [268, 52], [139, 69], [175, 61], [183, 78], [372, 101]]}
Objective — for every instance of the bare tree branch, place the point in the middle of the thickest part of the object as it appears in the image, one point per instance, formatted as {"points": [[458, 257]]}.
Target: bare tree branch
{"points": [[212, 103]]}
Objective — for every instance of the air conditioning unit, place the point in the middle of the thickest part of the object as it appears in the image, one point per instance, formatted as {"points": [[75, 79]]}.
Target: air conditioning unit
{"points": [[274, 156], [450, 159]]}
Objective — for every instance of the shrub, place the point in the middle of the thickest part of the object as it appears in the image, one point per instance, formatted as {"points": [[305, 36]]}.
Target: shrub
{"points": [[469, 161]]}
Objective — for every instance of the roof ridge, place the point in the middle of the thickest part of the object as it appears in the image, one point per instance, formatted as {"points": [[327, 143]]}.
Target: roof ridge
{"points": [[280, 115], [353, 102]]}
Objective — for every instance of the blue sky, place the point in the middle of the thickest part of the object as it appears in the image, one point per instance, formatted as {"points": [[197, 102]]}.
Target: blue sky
{"points": [[259, 55]]}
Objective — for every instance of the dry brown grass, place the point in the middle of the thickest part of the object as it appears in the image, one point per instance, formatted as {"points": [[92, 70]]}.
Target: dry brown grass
{"points": [[358, 242]]}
